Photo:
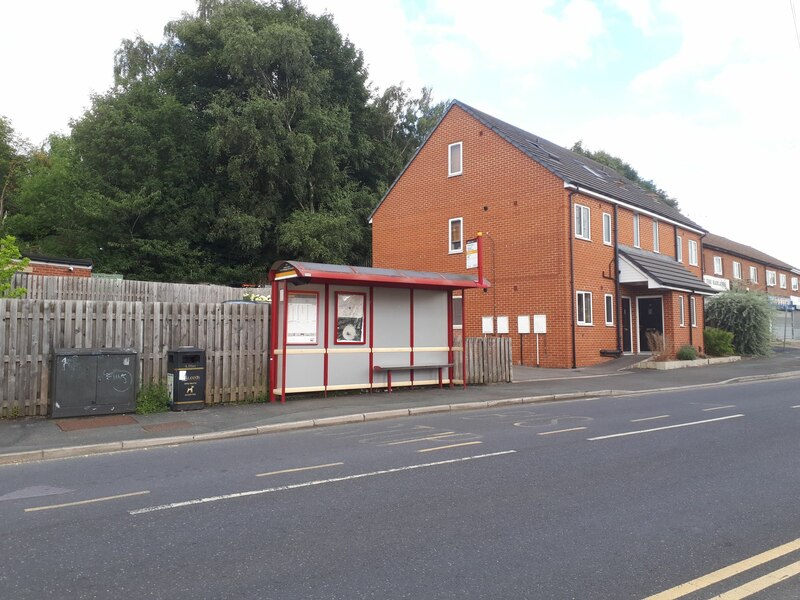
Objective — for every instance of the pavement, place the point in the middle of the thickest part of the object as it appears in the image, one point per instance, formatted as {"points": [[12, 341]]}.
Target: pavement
{"points": [[37, 438]]}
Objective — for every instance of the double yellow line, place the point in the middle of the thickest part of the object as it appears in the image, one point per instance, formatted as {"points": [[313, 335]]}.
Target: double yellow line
{"points": [[743, 591]]}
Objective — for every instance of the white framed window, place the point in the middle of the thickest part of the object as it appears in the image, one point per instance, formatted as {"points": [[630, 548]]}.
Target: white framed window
{"points": [[717, 265], [771, 278], [455, 159], [681, 312], [753, 275], [656, 244], [609, 306], [693, 311], [456, 233], [782, 281], [607, 229], [693, 253], [795, 284], [582, 222], [636, 240], [679, 249], [737, 270], [584, 307]]}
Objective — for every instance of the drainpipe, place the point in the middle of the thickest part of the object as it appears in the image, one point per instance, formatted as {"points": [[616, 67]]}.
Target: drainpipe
{"points": [[571, 218], [616, 280]]}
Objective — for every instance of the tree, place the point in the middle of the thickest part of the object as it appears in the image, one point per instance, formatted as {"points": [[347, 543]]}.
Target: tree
{"points": [[11, 262], [249, 133], [12, 163], [747, 316], [627, 171]]}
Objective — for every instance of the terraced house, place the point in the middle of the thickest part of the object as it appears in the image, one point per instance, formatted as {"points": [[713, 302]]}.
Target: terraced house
{"points": [[600, 261], [728, 264]]}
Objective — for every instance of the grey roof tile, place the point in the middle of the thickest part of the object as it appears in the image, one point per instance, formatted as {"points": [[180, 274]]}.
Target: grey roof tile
{"points": [[665, 270]]}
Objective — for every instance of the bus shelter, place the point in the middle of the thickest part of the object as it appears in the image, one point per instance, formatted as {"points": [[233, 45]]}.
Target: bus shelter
{"points": [[338, 327]]}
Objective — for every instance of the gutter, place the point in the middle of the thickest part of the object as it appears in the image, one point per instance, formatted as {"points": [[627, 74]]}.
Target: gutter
{"points": [[575, 187]]}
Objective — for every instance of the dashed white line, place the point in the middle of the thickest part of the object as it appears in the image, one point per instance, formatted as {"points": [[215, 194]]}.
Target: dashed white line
{"points": [[298, 469], [295, 486], [719, 407], [627, 433], [448, 447], [81, 502], [561, 431], [650, 418]]}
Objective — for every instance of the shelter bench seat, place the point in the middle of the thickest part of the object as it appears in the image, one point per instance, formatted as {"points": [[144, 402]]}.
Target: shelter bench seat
{"points": [[389, 368]]}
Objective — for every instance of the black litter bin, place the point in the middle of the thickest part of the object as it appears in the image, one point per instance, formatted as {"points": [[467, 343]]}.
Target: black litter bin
{"points": [[186, 377]]}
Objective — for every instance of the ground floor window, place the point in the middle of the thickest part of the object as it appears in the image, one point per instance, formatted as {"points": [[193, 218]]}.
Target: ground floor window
{"points": [[681, 312], [609, 305], [584, 305], [693, 311]]}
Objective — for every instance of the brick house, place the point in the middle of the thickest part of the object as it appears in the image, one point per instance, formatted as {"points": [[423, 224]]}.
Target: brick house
{"points": [[564, 237], [728, 264], [60, 267]]}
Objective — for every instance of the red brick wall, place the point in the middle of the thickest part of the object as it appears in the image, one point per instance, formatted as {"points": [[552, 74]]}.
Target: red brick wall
{"points": [[524, 211], [745, 283], [57, 270]]}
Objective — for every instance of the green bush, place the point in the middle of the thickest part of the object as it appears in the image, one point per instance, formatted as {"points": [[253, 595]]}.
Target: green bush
{"points": [[687, 353], [718, 342], [152, 398], [748, 316]]}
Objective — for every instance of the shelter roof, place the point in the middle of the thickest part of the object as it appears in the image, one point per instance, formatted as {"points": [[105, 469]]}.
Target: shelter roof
{"points": [[664, 271], [325, 273]]}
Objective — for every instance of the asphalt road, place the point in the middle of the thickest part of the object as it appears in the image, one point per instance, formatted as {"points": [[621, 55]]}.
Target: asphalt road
{"points": [[607, 498]]}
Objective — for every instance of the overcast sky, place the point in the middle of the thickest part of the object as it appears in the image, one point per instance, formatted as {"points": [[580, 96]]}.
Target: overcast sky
{"points": [[701, 97]]}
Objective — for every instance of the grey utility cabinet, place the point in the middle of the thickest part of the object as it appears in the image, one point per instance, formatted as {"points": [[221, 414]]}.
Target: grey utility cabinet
{"points": [[94, 381]]}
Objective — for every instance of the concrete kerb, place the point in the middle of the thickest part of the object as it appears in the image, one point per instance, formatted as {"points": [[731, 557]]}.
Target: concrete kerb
{"points": [[72, 451]]}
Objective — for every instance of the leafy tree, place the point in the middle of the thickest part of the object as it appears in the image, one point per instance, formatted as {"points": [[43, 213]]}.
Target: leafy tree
{"points": [[626, 170], [747, 316], [250, 132], [11, 262], [13, 160]]}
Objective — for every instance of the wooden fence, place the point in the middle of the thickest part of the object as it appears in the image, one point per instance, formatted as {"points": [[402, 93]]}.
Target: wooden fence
{"points": [[235, 337], [488, 360], [41, 287]]}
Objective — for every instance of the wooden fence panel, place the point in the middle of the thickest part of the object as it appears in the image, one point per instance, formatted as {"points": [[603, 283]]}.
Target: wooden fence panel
{"points": [[234, 336], [41, 287], [489, 360]]}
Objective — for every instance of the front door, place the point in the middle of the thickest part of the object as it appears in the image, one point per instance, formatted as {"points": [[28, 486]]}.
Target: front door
{"points": [[650, 313], [627, 339]]}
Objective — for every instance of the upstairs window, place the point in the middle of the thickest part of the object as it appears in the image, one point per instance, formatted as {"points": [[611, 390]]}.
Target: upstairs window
{"points": [[456, 227], [693, 253], [454, 166], [771, 279], [607, 229], [737, 270], [679, 249], [795, 284], [656, 245], [753, 275], [636, 240], [582, 224], [717, 265], [782, 278]]}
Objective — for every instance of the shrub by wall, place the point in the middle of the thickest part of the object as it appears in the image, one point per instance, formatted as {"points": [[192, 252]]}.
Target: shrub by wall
{"points": [[718, 342], [747, 316]]}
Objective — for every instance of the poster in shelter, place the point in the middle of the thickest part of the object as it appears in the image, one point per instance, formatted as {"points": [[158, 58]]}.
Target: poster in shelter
{"points": [[350, 318], [302, 319]]}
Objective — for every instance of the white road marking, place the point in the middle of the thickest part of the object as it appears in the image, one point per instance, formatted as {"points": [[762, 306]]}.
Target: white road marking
{"points": [[719, 407], [616, 435], [298, 469], [314, 483], [560, 431], [92, 501], [650, 418], [450, 446], [797, 406]]}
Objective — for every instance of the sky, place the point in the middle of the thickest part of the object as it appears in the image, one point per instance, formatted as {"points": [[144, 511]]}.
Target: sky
{"points": [[703, 98]]}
